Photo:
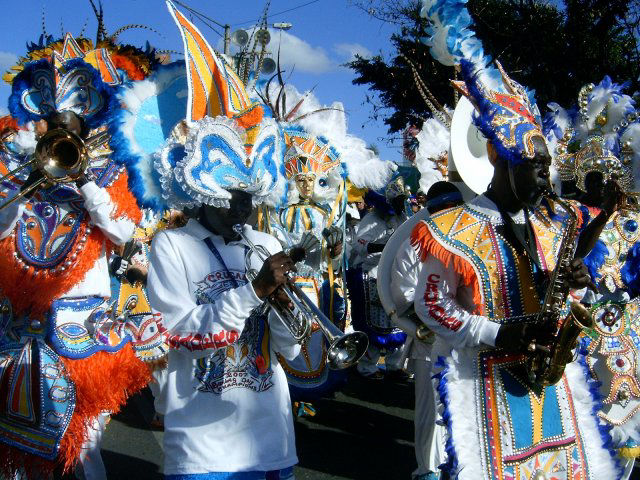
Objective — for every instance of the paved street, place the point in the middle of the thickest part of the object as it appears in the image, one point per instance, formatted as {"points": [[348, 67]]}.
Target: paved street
{"points": [[365, 432]]}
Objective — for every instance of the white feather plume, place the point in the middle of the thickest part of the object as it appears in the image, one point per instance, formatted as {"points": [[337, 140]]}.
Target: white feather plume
{"points": [[364, 167]]}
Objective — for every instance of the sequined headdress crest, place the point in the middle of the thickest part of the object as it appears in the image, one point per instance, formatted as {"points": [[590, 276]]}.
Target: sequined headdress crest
{"points": [[228, 145], [506, 112], [602, 135], [308, 154], [507, 118], [69, 78]]}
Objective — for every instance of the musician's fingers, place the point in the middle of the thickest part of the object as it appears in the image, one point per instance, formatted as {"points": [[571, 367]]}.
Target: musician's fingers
{"points": [[538, 348]]}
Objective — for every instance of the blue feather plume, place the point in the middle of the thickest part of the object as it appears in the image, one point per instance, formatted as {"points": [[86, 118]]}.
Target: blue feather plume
{"points": [[630, 272]]}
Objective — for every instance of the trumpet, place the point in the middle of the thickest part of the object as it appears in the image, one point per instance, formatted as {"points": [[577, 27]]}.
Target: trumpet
{"points": [[345, 349], [61, 156]]}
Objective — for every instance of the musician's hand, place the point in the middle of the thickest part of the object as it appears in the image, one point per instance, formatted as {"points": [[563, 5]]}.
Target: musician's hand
{"points": [[517, 338], [281, 298], [137, 273], [81, 180], [272, 274], [336, 250], [578, 275], [614, 200]]}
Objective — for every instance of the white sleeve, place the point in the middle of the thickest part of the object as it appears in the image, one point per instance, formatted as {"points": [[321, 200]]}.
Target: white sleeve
{"points": [[10, 215], [404, 276], [367, 233], [192, 327], [283, 342], [439, 304], [98, 203]]}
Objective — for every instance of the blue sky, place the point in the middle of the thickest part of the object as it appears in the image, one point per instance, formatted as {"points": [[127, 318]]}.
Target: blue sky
{"points": [[325, 34]]}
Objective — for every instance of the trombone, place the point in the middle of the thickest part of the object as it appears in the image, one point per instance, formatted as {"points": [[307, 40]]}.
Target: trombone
{"points": [[61, 156], [345, 349]]}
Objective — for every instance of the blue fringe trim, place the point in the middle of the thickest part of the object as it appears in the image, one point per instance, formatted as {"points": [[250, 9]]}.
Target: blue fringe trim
{"points": [[630, 272], [451, 465], [603, 428], [595, 260], [23, 81]]}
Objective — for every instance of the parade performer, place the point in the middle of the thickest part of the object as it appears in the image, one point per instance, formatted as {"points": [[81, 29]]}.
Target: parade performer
{"points": [[66, 359], [595, 150], [486, 268], [398, 273], [313, 217], [368, 315], [314, 210], [227, 406]]}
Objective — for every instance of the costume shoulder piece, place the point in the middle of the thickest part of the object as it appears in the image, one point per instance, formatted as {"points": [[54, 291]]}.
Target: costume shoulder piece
{"points": [[460, 238]]}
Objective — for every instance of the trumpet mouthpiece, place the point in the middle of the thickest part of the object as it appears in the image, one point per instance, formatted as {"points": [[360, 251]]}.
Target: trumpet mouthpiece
{"points": [[238, 228]]}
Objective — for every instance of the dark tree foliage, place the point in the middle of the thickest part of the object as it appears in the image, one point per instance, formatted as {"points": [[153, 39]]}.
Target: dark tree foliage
{"points": [[554, 50]]}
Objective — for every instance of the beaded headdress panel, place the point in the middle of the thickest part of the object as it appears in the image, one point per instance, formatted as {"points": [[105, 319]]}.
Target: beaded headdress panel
{"points": [[229, 146], [68, 78], [602, 135], [308, 154], [507, 118]]}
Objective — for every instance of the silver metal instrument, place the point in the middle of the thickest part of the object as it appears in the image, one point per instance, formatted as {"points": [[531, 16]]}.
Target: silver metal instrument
{"points": [[345, 349]]}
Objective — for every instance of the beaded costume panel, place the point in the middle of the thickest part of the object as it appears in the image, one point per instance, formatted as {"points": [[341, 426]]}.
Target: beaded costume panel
{"points": [[519, 433], [508, 285]]}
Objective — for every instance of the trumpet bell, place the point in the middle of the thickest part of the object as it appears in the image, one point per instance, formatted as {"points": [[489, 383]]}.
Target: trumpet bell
{"points": [[61, 155], [346, 350]]}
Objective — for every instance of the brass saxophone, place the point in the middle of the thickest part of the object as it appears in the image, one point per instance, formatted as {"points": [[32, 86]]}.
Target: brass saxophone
{"points": [[546, 368]]}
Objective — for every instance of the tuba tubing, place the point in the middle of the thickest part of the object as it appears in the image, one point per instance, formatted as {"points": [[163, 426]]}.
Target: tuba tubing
{"points": [[407, 323]]}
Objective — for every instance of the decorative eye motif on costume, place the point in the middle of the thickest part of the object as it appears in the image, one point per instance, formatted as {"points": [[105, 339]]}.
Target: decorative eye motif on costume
{"points": [[322, 182]]}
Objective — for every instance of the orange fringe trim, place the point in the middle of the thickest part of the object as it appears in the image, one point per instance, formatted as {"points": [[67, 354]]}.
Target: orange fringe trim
{"points": [[427, 245], [8, 123], [133, 71], [19, 285], [125, 202], [103, 382]]}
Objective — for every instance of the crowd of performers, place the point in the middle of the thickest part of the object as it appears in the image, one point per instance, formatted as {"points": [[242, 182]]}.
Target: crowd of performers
{"points": [[168, 224]]}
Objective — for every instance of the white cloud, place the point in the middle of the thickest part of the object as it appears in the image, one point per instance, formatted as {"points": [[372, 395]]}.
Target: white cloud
{"points": [[7, 60], [3, 111], [295, 52], [348, 51]]}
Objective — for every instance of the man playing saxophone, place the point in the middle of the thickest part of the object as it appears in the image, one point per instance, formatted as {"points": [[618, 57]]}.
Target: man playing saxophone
{"points": [[486, 268]]}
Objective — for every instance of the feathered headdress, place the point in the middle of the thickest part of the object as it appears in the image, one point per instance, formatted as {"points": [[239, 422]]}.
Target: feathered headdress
{"points": [[506, 112], [601, 135], [362, 165], [223, 144], [308, 154], [72, 79]]}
